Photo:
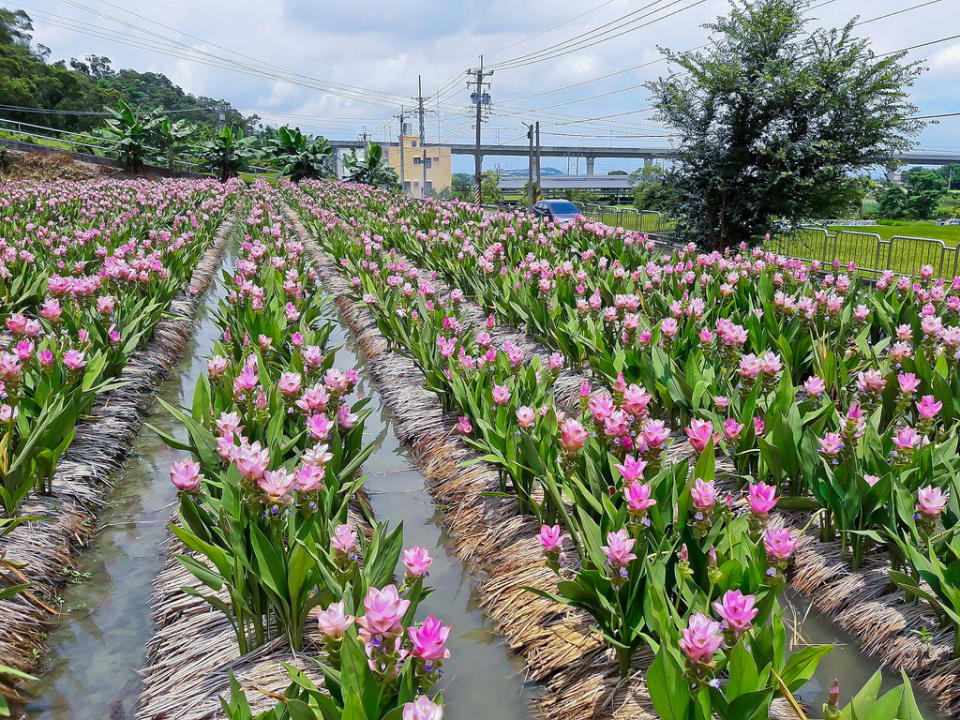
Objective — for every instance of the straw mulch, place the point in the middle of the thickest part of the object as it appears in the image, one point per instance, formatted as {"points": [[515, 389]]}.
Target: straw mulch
{"points": [[83, 481]]}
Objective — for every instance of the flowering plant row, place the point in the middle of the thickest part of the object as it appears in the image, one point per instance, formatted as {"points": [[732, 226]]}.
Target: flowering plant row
{"points": [[842, 396], [276, 444], [642, 544], [86, 272]]}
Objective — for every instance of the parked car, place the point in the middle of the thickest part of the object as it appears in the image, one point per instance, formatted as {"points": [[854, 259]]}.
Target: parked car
{"points": [[558, 211]]}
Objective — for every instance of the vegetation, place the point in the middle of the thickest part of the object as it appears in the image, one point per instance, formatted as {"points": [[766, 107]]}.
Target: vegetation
{"points": [[917, 199], [301, 156], [367, 165], [761, 141], [227, 153]]}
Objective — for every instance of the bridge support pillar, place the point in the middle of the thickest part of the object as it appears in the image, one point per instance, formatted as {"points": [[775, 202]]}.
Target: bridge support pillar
{"points": [[590, 161], [647, 162]]}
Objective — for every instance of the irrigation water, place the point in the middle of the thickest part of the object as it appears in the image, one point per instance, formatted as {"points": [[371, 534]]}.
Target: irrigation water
{"points": [[481, 672], [95, 652]]}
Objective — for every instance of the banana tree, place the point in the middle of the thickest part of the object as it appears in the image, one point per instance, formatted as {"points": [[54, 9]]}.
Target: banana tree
{"points": [[167, 136], [227, 153], [129, 134], [367, 166], [302, 156]]}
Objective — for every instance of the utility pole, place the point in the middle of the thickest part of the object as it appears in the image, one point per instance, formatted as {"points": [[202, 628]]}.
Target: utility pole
{"points": [[423, 149], [539, 186], [479, 98], [400, 142], [530, 192]]}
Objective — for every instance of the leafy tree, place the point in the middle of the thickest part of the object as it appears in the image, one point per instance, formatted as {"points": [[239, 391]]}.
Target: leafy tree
{"points": [[301, 156], [652, 190], [167, 136], [129, 133], [367, 165], [773, 117], [618, 172], [227, 153], [490, 188], [461, 186], [918, 199], [951, 173]]}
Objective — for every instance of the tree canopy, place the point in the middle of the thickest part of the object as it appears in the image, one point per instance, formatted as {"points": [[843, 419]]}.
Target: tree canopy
{"points": [[774, 117]]}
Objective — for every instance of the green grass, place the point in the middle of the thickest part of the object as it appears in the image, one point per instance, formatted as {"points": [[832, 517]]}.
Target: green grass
{"points": [[950, 234]]}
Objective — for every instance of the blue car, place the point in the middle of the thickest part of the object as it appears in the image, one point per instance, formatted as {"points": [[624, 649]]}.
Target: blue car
{"points": [[558, 211]]}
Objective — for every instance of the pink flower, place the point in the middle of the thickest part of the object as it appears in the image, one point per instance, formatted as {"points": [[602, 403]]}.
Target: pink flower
{"points": [[762, 498], [74, 360], [422, 709], [344, 540], [501, 394], [309, 478], [931, 501], [429, 640], [383, 611], [779, 543], [416, 560], [526, 416], [618, 547], [701, 639], [831, 444], [638, 497], [251, 460], [631, 469], [333, 623], [635, 400], [737, 611], [345, 418], [289, 383], [550, 538], [814, 386], [732, 429], [601, 406], [871, 480], [216, 366], [703, 494], [319, 426], [928, 408], [185, 475], [464, 426], [572, 435], [906, 439], [908, 383], [276, 484], [871, 382], [700, 433]]}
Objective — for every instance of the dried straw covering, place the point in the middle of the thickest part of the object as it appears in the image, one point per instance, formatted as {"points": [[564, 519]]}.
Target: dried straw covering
{"points": [[83, 480]]}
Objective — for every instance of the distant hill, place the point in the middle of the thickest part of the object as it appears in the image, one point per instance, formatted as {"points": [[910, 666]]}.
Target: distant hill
{"points": [[523, 172]]}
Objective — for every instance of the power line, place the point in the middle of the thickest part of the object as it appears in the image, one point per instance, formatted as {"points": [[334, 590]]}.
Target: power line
{"points": [[551, 29]]}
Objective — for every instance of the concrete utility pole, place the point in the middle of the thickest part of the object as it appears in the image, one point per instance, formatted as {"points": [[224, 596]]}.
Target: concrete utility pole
{"points": [[400, 138], [423, 149], [479, 98], [539, 186], [530, 191]]}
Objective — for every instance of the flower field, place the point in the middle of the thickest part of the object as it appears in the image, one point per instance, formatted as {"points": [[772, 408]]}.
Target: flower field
{"points": [[643, 457]]}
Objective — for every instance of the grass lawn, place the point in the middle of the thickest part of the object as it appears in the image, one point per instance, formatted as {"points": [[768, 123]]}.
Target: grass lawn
{"points": [[950, 234]]}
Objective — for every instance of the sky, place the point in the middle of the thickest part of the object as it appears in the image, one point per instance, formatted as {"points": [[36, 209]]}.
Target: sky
{"points": [[339, 68]]}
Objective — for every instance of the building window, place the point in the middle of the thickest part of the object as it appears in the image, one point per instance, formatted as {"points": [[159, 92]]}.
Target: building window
{"points": [[413, 143], [406, 185], [429, 186], [428, 163]]}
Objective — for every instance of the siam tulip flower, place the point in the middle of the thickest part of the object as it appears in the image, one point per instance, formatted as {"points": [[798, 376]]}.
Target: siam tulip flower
{"points": [[333, 622], [429, 642], [762, 498], [319, 426], [737, 611], [251, 460], [928, 408], [601, 406], [228, 424], [638, 498], [701, 639], [732, 430], [184, 474], [618, 552], [51, 310], [831, 445], [758, 426], [417, 561], [74, 360], [814, 386], [289, 383], [309, 478], [631, 469], [635, 401], [344, 543], [526, 417], [345, 418], [422, 709], [277, 485], [550, 538], [8, 413], [572, 435], [700, 433], [779, 544], [317, 456], [908, 383], [216, 367], [501, 394], [383, 612], [931, 501], [464, 426], [871, 480], [721, 401]]}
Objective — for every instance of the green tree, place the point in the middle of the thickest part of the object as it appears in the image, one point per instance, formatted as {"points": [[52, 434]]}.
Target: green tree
{"points": [[918, 198], [367, 165], [228, 153], [129, 132], [951, 173], [652, 190], [301, 156], [461, 186], [490, 188], [773, 118]]}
